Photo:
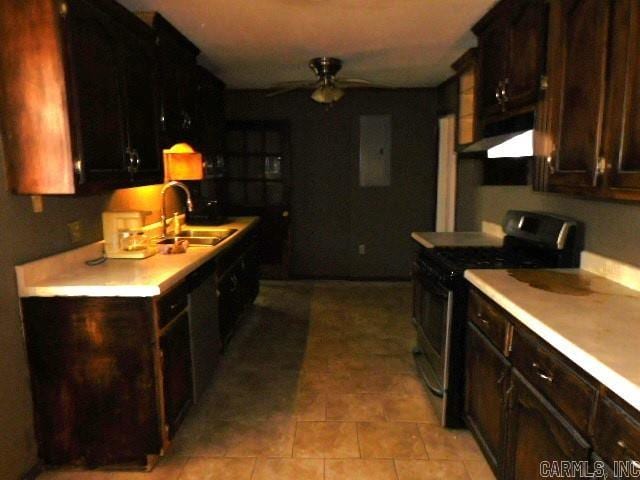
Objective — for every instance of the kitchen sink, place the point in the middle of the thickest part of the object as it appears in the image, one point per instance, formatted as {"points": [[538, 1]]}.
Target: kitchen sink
{"points": [[201, 237], [221, 233]]}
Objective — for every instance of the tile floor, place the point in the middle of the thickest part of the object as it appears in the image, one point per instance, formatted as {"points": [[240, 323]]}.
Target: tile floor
{"points": [[318, 384]]}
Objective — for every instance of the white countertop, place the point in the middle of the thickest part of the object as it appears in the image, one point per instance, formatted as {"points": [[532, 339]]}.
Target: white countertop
{"points": [[593, 321], [456, 239], [66, 274]]}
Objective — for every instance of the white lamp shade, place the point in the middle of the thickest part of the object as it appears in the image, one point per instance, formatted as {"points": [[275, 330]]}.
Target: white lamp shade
{"points": [[182, 162]]}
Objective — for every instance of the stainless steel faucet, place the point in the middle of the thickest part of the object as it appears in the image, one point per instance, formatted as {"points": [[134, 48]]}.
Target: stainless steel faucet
{"points": [[163, 216]]}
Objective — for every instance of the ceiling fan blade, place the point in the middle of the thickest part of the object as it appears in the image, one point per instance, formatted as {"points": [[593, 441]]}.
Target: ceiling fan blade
{"points": [[359, 83], [354, 80], [285, 87]]}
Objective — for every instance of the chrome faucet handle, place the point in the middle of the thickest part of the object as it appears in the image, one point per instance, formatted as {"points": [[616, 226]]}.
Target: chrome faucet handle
{"points": [[163, 190]]}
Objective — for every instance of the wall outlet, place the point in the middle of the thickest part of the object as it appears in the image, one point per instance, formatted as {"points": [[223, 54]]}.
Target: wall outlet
{"points": [[75, 231], [362, 249], [36, 203]]}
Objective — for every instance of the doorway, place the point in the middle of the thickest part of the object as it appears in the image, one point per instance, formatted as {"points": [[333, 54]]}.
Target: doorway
{"points": [[256, 181]]}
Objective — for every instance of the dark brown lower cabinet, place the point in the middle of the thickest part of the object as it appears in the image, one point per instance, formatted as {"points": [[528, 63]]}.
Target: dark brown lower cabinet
{"points": [[529, 404], [175, 355], [487, 373], [536, 433], [111, 377], [93, 379]]}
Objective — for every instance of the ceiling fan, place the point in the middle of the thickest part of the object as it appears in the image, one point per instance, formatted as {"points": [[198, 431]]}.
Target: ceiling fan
{"points": [[327, 88]]}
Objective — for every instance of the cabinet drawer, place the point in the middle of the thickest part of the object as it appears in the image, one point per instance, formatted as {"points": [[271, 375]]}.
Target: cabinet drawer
{"points": [[171, 304], [489, 318], [554, 378], [616, 434]]}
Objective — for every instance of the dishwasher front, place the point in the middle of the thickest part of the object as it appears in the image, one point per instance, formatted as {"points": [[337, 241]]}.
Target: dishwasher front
{"points": [[206, 344]]}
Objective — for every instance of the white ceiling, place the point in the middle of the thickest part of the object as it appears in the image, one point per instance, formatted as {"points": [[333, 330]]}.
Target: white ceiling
{"points": [[256, 43]]}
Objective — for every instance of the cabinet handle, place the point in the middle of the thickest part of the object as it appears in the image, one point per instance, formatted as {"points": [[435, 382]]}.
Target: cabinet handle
{"points": [[78, 168], [131, 168], [482, 319], [544, 83], [541, 373], [186, 120], [601, 169], [505, 96], [602, 165], [622, 444], [63, 9], [550, 166]]}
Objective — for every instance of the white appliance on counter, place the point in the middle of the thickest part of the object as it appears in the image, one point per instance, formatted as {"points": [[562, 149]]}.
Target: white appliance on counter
{"points": [[124, 235]]}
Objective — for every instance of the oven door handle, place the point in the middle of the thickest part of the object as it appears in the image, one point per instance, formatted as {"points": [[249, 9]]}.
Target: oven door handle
{"points": [[428, 376]]}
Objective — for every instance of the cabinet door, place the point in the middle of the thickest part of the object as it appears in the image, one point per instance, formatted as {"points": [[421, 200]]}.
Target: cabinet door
{"points": [[209, 113], [176, 372], [527, 46], [577, 64], [169, 100], [537, 433], [494, 49], [178, 89], [139, 66], [96, 91], [486, 372], [93, 379], [205, 328], [622, 137]]}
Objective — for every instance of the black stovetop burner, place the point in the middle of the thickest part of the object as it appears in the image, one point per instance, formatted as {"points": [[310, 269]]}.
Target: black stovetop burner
{"points": [[458, 259]]}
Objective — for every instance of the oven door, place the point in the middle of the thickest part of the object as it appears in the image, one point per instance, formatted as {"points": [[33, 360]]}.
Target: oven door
{"points": [[433, 309]]}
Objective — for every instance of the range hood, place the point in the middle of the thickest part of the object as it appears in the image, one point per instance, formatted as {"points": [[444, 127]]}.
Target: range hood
{"points": [[507, 139]]}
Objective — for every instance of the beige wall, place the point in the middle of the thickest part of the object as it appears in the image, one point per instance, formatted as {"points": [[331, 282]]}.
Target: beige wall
{"points": [[26, 236], [611, 228]]}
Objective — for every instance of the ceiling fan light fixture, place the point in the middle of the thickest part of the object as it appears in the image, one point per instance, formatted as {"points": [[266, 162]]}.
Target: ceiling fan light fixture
{"points": [[327, 94]]}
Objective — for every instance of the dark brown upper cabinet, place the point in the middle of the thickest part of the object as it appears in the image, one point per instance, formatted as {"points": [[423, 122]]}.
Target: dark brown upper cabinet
{"points": [[209, 113], [511, 47], [576, 70], [621, 149], [77, 96], [177, 79], [592, 131]]}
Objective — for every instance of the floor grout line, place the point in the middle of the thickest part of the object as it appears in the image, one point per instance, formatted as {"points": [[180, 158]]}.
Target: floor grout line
{"points": [[395, 469]]}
